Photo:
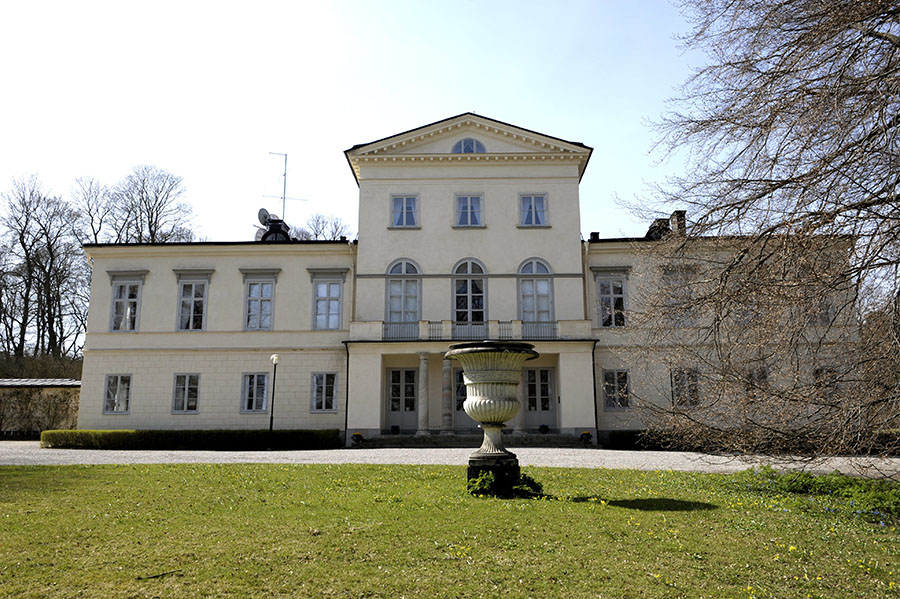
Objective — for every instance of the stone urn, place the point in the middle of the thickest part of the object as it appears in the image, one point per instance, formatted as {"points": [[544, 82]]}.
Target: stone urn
{"points": [[492, 372]]}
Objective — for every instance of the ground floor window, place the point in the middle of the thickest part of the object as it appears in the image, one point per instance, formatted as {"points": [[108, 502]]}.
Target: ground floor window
{"points": [[186, 393], [254, 392], [615, 389], [685, 387], [118, 394], [323, 384], [538, 389], [403, 390]]}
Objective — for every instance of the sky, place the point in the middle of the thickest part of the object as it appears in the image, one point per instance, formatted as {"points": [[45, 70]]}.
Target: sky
{"points": [[207, 90]]}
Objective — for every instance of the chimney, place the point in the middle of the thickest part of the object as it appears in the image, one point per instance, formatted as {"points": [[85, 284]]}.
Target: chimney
{"points": [[678, 222], [594, 238], [658, 229]]}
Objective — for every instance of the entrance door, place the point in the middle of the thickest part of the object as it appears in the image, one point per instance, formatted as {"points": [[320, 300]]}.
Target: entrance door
{"points": [[540, 398], [401, 398], [461, 420]]}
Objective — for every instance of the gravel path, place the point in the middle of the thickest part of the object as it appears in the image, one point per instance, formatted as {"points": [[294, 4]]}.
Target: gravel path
{"points": [[29, 453]]}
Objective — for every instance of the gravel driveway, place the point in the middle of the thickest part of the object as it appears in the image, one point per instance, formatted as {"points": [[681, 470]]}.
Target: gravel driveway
{"points": [[29, 453]]}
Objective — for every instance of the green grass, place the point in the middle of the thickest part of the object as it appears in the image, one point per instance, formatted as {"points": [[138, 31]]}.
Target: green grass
{"points": [[354, 531]]}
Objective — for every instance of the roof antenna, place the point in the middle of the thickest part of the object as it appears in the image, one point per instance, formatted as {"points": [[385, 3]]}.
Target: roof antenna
{"points": [[284, 186]]}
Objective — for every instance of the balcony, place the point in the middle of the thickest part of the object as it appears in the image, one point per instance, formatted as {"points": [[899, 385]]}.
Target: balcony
{"points": [[448, 330]]}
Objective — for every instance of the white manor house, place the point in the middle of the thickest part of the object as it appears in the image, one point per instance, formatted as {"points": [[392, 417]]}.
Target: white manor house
{"points": [[469, 229]]}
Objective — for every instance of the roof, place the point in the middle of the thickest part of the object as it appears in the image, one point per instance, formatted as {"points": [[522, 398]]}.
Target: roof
{"points": [[39, 383], [219, 243]]}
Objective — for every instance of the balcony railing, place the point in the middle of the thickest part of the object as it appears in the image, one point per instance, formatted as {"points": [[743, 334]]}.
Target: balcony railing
{"points": [[400, 331], [469, 331], [539, 330]]}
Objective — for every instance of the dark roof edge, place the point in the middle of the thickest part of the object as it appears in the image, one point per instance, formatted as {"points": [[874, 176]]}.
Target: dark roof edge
{"points": [[212, 243]]}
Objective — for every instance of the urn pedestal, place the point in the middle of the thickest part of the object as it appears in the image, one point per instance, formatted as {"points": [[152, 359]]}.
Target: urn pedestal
{"points": [[492, 371]]}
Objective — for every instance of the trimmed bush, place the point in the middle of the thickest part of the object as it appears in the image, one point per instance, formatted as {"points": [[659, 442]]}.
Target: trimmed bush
{"points": [[219, 440]]}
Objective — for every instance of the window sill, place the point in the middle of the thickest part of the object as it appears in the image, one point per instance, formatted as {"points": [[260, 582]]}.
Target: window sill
{"points": [[616, 408], [403, 228], [116, 413], [533, 226], [255, 411], [323, 411], [182, 412], [468, 226]]}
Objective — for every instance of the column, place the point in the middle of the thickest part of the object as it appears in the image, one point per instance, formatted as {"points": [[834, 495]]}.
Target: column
{"points": [[447, 397], [519, 418], [422, 428]]}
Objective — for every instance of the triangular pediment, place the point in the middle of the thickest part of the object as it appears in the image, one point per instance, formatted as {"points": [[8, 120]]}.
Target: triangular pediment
{"points": [[497, 141]]}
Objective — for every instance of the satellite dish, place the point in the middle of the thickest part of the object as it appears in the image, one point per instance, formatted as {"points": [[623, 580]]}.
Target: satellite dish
{"points": [[263, 216], [259, 234]]}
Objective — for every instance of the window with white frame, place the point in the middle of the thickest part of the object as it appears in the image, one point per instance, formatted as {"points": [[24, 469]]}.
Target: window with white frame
{"points": [[125, 308], [254, 392], [535, 292], [468, 145], [259, 294], [468, 211], [533, 210], [615, 389], [323, 390], [327, 303], [118, 394], [611, 300], [679, 281], [403, 292], [404, 211], [685, 387], [192, 305], [468, 292], [186, 393]]}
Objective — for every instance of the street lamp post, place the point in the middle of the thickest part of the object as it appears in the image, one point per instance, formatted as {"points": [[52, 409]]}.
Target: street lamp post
{"points": [[274, 358]]}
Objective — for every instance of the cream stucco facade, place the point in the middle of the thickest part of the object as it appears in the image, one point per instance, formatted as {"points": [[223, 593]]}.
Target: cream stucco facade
{"points": [[468, 229]]}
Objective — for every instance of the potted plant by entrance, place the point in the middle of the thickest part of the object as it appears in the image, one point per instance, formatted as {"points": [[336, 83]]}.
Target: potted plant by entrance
{"points": [[544, 429]]}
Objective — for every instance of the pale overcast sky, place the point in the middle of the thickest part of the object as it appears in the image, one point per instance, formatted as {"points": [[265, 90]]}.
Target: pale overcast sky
{"points": [[206, 90]]}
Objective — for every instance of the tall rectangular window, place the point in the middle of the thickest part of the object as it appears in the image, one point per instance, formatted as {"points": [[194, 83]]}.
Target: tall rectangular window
{"points": [[118, 394], [125, 305], [685, 387], [404, 211], [468, 211], [186, 393], [328, 304], [611, 300], [254, 392], [192, 305], [259, 305], [615, 389], [323, 389], [533, 210]]}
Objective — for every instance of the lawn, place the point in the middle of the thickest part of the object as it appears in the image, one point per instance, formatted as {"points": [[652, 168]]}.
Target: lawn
{"points": [[353, 531]]}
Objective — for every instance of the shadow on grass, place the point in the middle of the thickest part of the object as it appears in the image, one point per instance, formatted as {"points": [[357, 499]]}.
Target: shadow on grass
{"points": [[653, 504]]}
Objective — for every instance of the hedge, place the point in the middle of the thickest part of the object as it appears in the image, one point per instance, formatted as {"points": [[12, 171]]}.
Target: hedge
{"points": [[220, 440]]}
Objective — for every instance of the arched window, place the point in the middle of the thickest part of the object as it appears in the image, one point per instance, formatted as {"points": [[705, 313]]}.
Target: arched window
{"points": [[469, 305], [535, 298], [468, 145], [402, 292]]}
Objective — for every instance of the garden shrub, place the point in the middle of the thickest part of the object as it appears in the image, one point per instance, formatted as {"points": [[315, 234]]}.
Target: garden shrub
{"points": [[222, 440], [485, 484]]}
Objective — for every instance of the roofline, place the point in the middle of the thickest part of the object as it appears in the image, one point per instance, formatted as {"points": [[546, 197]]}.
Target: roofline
{"points": [[221, 243], [463, 114]]}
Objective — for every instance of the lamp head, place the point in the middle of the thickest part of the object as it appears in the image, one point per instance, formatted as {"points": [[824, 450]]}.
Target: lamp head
{"points": [[274, 358]]}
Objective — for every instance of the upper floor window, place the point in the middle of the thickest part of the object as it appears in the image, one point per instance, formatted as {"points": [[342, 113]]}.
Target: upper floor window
{"points": [[259, 293], [468, 145], [126, 299], [404, 211], [468, 292], [468, 211], [403, 292], [533, 211], [328, 304], [535, 291], [192, 289], [679, 301], [611, 301]]}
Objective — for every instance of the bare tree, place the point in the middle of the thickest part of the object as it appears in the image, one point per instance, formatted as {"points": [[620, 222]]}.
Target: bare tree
{"points": [[319, 226], [793, 137], [94, 205], [147, 208]]}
